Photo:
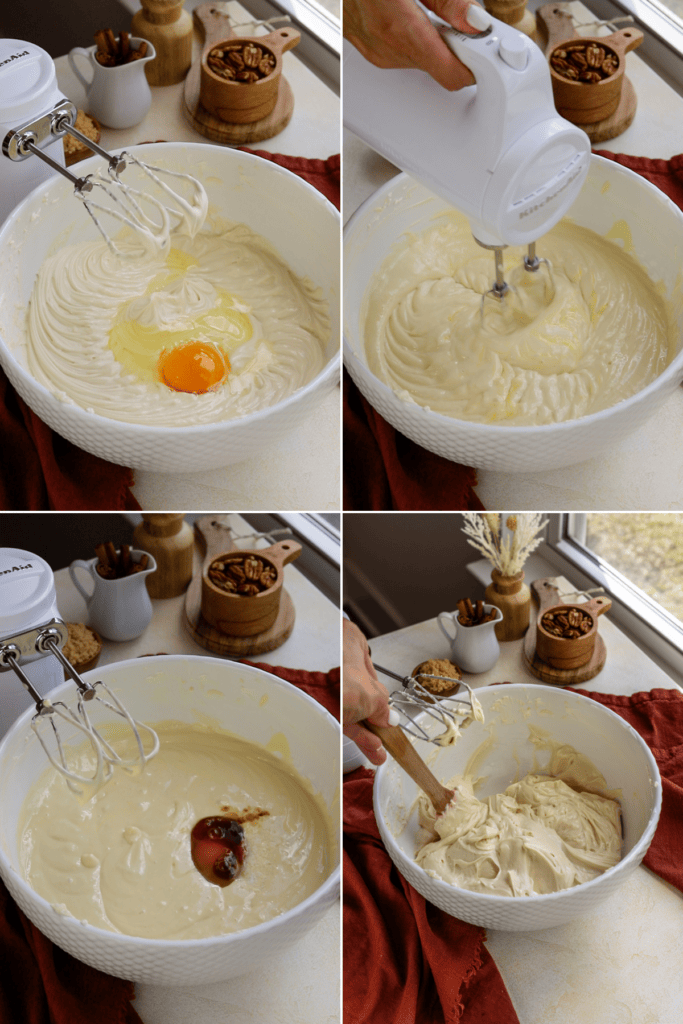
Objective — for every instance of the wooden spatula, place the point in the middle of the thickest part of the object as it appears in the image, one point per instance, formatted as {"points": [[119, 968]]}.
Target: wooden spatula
{"points": [[401, 749]]}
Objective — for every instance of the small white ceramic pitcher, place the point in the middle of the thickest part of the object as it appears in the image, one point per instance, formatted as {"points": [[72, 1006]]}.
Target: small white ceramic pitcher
{"points": [[474, 648], [119, 97], [119, 609]]}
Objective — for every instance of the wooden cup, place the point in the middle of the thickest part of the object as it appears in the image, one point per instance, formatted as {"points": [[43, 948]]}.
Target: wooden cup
{"points": [[237, 614], [570, 652], [245, 102], [586, 102]]}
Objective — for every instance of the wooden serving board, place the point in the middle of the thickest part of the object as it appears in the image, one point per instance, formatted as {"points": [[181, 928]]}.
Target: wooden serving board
{"points": [[215, 26], [557, 25], [548, 595], [214, 540]]}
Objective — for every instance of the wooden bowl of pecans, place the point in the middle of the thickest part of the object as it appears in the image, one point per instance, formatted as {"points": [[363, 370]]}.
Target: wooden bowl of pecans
{"points": [[566, 633], [588, 72], [240, 77], [241, 589]]}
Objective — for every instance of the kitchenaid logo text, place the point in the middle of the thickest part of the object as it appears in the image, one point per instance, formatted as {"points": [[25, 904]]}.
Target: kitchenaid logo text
{"points": [[549, 199], [15, 56], [16, 568]]}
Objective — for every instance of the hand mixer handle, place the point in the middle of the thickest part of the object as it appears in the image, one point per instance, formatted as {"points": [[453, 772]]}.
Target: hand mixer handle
{"points": [[498, 151]]}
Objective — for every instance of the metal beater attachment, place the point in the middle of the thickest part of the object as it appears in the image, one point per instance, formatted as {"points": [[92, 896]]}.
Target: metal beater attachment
{"points": [[152, 226], [414, 697], [48, 640]]}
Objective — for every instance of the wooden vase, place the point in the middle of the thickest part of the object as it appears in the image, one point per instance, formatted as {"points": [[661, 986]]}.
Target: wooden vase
{"points": [[513, 597], [169, 539], [514, 12], [168, 27]]}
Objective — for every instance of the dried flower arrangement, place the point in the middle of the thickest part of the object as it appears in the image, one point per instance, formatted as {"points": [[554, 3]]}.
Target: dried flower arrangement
{"points": [[508, 552]]}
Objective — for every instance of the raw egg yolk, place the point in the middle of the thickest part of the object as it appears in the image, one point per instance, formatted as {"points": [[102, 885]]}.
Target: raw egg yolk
{"points": [[196, 366]]}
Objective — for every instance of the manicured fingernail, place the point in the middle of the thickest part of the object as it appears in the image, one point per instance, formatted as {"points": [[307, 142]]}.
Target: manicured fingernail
{"points": [[394, 717], [478, 18]]}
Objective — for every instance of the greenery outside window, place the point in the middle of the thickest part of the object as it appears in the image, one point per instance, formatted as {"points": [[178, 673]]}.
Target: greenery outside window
{"points": [[637, 559]]}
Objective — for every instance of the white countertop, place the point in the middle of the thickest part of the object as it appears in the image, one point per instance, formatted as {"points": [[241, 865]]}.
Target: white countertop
{"points": [[302, 470], [645, 471], [616, 965], [301, 986]]}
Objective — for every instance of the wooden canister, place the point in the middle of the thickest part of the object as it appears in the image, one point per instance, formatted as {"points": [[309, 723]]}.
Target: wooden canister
{"points": [[241, 615], [244, 102], [588, 103], [167, 537], [568, 653]]}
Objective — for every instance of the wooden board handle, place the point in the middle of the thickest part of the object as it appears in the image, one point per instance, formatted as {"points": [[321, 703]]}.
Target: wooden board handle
{"points": [[401, 749]]}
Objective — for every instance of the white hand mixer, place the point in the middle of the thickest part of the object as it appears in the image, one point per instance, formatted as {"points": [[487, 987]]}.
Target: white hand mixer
{"points": [[48, 639], [498, 150], [35, 117]]}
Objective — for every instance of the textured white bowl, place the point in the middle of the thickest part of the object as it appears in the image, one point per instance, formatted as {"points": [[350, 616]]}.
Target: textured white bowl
{"points": [[245, 700], [613, 746], [299, 221], [610, 194]]}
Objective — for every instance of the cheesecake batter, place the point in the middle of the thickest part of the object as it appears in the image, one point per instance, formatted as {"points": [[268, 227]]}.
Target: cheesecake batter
{"points": [[122, 859], [99, 323], [544, 833], [555, 349]]}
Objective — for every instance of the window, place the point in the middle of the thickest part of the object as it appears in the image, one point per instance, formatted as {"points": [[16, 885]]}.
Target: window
{"points": [[637, 559]]}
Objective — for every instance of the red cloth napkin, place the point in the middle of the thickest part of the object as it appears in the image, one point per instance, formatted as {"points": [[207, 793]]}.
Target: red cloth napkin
{"points": [[408, 962], [41, 984], [384, 470], [658, 716], [325, 175], [39, 470]]}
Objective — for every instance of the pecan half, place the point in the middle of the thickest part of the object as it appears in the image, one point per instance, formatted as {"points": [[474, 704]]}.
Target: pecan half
{"points": [[251, 55], [241, 62]]}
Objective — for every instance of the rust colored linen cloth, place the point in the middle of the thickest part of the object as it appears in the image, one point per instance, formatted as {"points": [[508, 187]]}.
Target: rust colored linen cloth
{"points": [[658, 716], [39, 470], [383, 470], [408, 962], [41, 984]]}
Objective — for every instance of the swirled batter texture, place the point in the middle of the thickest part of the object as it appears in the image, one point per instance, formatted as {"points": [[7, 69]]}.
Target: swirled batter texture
{"points": [[98, 325], [559, 347], [541, 835], [122, 860]]}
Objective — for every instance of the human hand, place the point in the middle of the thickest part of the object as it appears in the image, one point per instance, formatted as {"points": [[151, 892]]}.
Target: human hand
{"points": [[398, 34], [363, 696]]}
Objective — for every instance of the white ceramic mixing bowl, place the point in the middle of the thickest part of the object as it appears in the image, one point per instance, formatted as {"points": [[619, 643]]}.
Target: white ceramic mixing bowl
{"points": [[614, 747], [244, 700], [652, 224], [299, 221]]}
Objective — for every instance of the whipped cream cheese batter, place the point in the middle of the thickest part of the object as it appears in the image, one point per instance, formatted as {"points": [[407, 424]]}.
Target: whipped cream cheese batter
{"points": [[121, 860], [544, 833], [552, 351], [99, 322]]}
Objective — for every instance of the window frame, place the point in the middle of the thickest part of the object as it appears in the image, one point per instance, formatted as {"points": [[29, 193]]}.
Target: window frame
{"points": [[649, 624]]}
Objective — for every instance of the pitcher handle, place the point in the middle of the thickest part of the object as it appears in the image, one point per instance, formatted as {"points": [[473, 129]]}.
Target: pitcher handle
{"points": [[79, 51], [80, 564], [449, 617]]}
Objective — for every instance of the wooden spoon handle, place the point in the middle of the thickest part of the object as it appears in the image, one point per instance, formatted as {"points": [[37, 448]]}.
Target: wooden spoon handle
{"points": [[402, 750]]}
